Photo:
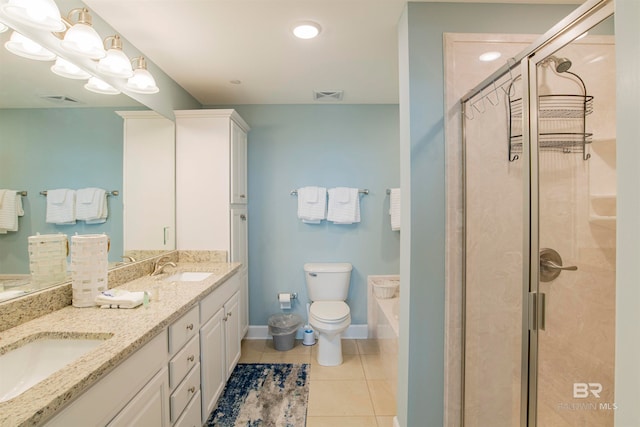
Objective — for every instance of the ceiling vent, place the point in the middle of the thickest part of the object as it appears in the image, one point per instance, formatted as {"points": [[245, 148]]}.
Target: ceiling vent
{"points": [[327, 95], [61, 99]]}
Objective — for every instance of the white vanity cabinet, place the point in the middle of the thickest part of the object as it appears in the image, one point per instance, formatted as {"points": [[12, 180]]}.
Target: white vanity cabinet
{"points": [[139, 385], [211, 188], [184, 363], [219, 341], [148, 407]]}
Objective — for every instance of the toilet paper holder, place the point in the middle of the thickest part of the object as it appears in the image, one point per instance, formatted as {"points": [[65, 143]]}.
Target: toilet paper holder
{"points": [[292, 295]]}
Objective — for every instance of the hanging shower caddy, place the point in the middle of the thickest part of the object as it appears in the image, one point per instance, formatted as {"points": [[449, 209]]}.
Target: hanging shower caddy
{"points": [[561, 121]]}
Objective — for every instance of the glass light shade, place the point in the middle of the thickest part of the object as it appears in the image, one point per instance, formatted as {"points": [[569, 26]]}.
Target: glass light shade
{"points": [[27, 48], [99, 86], [64, 68], [3, 28], [142, 82], [82, 39], [306, 30], [41, 14], [115, 64]]}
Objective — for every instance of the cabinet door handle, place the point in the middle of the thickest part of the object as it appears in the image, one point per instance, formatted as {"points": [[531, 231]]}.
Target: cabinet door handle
{"points": [[243, 217], [225, 318], [242, 196], [229, 314], [192, 389], [190, 326], [191, 358]]}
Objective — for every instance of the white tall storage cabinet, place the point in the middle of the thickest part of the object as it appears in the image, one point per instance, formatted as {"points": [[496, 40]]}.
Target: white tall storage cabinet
{"points": [[211, 188], [149, 181]]}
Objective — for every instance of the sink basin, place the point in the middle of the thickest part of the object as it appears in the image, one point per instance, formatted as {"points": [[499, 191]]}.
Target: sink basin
{"points": [[188, 276], [25, 366]]}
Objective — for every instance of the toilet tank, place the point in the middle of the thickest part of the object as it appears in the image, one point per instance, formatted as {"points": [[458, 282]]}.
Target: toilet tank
{"points": [[328, 281]]}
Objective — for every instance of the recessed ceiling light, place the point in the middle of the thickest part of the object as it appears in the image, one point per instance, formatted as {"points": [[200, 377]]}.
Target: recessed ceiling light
{"points": [[306, 30], [489, 56]]}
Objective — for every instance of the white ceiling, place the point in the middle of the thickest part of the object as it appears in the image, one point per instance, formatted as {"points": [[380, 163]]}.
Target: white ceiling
{"points": [[205, 44]]}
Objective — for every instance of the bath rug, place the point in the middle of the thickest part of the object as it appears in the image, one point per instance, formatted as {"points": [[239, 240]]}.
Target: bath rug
{"points": [[263, 395]]}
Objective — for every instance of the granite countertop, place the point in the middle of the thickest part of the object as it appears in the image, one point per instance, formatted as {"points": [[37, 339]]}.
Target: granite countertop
{"points": [[128, 329]]}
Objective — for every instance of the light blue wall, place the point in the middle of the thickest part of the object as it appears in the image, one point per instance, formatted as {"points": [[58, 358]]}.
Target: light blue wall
{"points": [[73, 148], [291, 146], [421, 357]]}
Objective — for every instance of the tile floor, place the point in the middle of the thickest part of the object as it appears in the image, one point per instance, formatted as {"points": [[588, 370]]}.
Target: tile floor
{"points": [[359, 393]]}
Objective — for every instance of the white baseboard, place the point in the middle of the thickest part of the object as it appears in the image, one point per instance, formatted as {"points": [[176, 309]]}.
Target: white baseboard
{"points": [[261, 332]]}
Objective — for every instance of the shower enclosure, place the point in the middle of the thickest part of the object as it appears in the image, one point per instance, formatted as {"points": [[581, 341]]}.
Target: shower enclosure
{"points": [[539, 232]]}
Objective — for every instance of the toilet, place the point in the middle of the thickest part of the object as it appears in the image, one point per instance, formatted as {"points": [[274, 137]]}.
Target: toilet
{"points": [[329, 314]]}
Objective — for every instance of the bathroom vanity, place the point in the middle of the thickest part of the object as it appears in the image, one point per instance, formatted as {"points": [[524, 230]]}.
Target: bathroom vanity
{"points": [[159, 365]]}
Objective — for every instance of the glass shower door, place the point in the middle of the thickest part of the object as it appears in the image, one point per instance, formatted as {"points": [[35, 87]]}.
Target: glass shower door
{"points": [[493, 289], [576, 197]]}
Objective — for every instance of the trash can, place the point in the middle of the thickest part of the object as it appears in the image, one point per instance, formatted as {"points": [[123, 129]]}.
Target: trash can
{"points": [[283, 328]]}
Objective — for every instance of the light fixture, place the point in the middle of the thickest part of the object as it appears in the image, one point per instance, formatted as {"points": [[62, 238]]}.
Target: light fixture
{"points": [[27, 48], [3, 28], [142, 81], [64, 68], [115, 63], [100, 86], [41, 14], [489, 56], [81, 38], [306, 30]]}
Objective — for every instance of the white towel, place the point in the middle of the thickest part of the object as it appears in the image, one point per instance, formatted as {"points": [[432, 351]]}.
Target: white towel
{"points": [[394, 209], [343, 212], [119, 298], [312, 204], [91, 205], [10, 210], [61, 206]]}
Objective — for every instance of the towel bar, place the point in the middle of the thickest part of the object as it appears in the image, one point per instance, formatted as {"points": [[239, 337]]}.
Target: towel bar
{"points": [[364, 191], [22, 193], [109, 193]]}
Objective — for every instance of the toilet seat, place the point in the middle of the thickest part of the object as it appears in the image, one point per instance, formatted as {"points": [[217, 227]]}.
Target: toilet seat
{"points": [[330, 311]]}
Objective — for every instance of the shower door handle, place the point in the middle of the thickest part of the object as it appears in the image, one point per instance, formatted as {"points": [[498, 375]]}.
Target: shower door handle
{"points": [[551, 265]]}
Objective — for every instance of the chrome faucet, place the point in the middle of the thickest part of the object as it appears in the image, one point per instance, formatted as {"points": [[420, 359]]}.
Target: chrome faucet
{"points": [[159, 265], [128, 258]]}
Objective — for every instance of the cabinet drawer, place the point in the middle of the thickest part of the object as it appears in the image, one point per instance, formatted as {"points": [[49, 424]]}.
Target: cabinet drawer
{"points": [[191, 415], [182, 362], [183, 329], [184, 392]]}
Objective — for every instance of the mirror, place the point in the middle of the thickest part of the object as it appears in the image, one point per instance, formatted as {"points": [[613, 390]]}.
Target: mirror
{"points": [[56, 134]]}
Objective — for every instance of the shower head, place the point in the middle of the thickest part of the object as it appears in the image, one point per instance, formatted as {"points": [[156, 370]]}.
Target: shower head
{"points": [[562, 65]]}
